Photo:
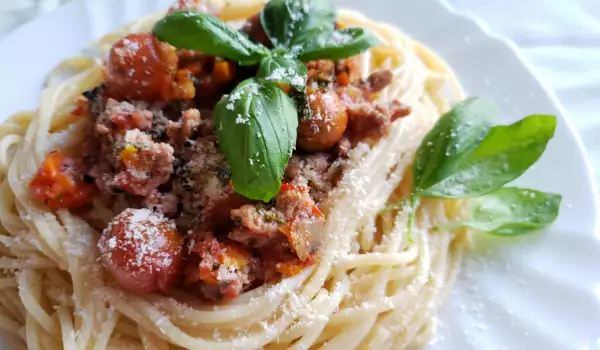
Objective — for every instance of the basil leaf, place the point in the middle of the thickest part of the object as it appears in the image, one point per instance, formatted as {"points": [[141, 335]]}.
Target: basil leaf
{"points": [[453, 137], [256, 126], [339, 44], [512, 211], [293, 22], [199, 31], [284, 70], [506, 153]]}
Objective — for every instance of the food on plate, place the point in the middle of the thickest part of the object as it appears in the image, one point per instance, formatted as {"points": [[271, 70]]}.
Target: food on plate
{"points": [[292, 177]]}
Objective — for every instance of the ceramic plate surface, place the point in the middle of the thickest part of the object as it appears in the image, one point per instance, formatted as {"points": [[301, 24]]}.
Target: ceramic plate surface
{"points": [[535, 292]]}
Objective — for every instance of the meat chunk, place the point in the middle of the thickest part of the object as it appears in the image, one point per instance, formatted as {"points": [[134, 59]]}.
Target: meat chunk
{"points": [[304, 219], [144, 164], [218, 269], [121, 116], [316, 171], [257, 226], [165, 203], [378, 81], [372, 120], [342, 148], [320, 70], [346, 71], [202, 183], [180, 131]]}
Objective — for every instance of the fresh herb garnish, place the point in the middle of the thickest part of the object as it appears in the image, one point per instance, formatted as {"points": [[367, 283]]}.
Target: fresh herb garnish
{"points": [[193, 30], [463, 156], [256, 126], [299, 30], [283, 70], [338, 44], [512, 211], [288, 23]]}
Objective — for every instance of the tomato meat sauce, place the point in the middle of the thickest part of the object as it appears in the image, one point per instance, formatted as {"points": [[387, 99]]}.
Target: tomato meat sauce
{"points": [[151, 157]]}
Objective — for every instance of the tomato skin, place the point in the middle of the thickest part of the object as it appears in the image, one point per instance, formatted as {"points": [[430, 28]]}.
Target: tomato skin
{"points": [[326, 125], [58, 187], [140, 67], [142, 250]]}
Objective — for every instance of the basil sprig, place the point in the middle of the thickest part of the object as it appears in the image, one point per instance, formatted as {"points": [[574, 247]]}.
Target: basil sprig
{"points": [[463, 156], [295, 22], [256, 126], [283, 70], [512, 211], [338, 44], [258, 133], [194, 30]]}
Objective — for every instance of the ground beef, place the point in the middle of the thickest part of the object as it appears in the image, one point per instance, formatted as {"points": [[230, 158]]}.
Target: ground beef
{"points": [[342, 148], [180, 131], [257, 225], [150, 167], [123, 116], [378, 81], [218, 269], [350, 67], [320, 71], [202, 184], [165, 203], [372, 120], [294, 202], [316, 171]]}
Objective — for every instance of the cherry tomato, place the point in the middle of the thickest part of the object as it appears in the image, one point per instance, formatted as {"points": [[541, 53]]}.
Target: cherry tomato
{"points": [[142, 250], [326, 125], [140, 67], [254, 29]]}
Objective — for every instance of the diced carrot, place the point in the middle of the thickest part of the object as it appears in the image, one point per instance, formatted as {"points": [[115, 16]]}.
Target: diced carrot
{"points": [[233, 256], [222, 71], [128, 155], [284, 87], [194, 68], [343, 79]]}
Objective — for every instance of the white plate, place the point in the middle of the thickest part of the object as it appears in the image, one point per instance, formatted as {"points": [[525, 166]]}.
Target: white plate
{"points": [[536, 292]]}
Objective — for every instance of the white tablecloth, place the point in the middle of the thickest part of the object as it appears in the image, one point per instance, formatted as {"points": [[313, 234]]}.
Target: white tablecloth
{"points": [[560, 37]]}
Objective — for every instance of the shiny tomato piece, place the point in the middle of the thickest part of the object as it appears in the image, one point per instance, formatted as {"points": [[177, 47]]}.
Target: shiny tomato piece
{"points": [[142, 250], [140, 67]]}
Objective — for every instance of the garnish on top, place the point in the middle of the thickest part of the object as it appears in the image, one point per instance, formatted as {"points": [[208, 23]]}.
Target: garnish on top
{"points": [[256, 124]]}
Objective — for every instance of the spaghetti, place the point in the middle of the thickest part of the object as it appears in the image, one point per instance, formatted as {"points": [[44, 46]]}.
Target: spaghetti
{"points": [[371, 288]]}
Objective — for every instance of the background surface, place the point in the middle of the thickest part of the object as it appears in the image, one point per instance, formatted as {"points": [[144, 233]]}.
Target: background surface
{"points": [[561, 38]]}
